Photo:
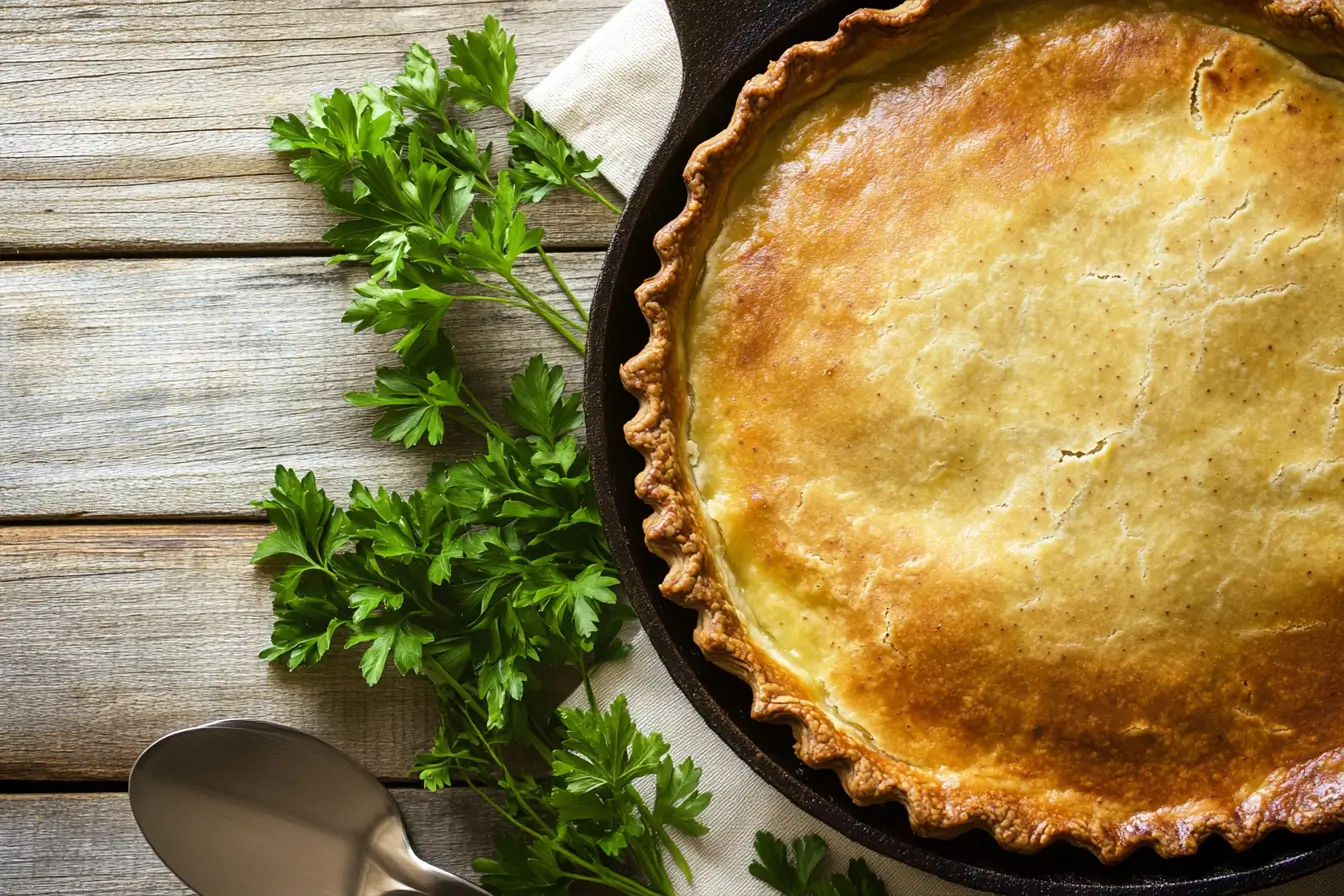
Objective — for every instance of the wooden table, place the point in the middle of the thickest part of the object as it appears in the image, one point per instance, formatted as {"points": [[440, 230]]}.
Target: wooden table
{"points": [[169, 332]]}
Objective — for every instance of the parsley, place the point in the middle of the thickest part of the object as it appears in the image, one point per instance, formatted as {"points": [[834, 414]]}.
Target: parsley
{"points": [[418, 397], [802, 875], [484, 65], [590, 818], [431, 220], [501, 554], [544, 161], [483, 68], [491, 581]]}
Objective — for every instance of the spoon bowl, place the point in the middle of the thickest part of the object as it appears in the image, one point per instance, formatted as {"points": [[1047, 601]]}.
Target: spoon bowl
{"points": [[249, 808]]}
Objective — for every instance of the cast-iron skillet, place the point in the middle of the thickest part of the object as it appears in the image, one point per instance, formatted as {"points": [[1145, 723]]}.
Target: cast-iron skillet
{"points": [[723, 43]]}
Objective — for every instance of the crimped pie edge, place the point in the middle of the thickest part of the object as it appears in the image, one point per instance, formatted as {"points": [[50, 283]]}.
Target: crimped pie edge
{"points": [[1305, 799]]}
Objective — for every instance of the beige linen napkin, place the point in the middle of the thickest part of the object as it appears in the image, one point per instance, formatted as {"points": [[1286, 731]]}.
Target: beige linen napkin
{"points": [[615, 96]]}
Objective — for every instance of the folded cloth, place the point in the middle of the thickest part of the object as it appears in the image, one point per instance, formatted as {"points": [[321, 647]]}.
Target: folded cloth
{"points": [[615, 96]]}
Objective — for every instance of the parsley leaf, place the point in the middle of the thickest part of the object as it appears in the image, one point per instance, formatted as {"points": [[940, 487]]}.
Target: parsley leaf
{"points": [[859, 880], [604, 753], [792, 877], [499, 232], [484, 64], [493, 572], [602, 757], [421, 85], [543, 161], [307, 524], [538, 403], [417, 398], [418, 310], [801, 874], [679, 801], [340, 128], [455, 147], [404, 641], [519, 868], [309, 530]]}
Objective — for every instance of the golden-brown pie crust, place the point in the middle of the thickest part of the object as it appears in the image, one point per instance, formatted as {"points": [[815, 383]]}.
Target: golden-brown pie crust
{"points": [[1305, 797]]}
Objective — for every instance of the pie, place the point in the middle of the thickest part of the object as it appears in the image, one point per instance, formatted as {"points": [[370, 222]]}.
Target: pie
{"points": [[992, 409]]}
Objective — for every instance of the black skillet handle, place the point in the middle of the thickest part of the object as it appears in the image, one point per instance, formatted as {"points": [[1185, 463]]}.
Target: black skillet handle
{"points": [[716, 37]]}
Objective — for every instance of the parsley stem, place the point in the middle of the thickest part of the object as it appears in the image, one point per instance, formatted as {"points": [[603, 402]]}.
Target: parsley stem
{"points": [[606, 876], [606, 882], [560, 281], [483, 184], [651, 864], [508, 778], [587, 683], [478, 411], [543, 307], [498, 299], [439, 675], [468, 422], [547, 831], [535, 299], [588, 191], [559, 325], [556, 318], [562, 325]]}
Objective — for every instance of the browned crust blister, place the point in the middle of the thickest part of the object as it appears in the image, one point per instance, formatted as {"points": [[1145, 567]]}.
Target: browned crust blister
{"points": [[1307, 798]]}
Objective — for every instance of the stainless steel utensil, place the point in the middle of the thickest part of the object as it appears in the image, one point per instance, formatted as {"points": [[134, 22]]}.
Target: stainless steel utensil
{"points": [[247, 808]]}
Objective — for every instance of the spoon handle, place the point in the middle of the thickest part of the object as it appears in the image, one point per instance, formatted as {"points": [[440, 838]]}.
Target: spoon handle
{"points": [[446, 884], [428, 880]]}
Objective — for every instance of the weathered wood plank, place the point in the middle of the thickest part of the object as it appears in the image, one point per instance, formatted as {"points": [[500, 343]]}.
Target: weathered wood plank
{"points": [[63, 844], [174, 387], [142, 126], [115, 635]]}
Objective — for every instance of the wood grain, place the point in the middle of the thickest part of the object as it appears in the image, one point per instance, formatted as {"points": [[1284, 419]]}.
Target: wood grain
{"points": [[67, 844], [115, 635], [142, 388], [70, 845], [142, 126]]}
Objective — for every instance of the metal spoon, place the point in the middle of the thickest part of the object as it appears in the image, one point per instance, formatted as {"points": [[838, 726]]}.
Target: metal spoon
{"points": [[248, 808]]}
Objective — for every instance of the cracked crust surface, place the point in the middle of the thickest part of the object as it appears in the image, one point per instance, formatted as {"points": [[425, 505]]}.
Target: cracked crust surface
{"points": [[1012, 477]]}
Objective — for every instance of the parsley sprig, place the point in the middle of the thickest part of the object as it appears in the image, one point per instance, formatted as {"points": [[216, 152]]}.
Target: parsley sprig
{"points": [[492, 571], [483, 67], [491, 581], [589, 815], [430, 217], [801, 874]]}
